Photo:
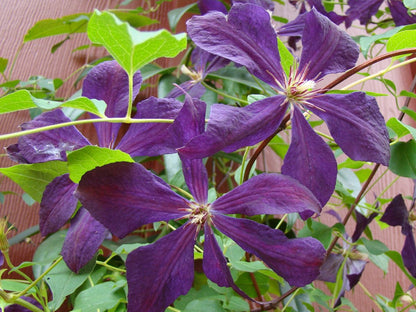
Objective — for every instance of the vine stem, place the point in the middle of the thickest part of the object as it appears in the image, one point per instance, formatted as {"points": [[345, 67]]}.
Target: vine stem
{"points": [[83, 121]]}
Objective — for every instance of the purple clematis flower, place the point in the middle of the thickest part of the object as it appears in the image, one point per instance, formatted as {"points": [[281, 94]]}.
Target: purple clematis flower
{"points": [[124, 196], [206, 6], [108, 82], [364, 10], [396, 214], [302, 5], [247, 37]]}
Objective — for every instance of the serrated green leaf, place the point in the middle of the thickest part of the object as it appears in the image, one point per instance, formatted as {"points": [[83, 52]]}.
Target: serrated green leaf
{"points": [[98, 298], [403, 159], [176, 14], [400, 128], [89, 157], [33, 178], [63, 282], [286, 58], [132, 48]]}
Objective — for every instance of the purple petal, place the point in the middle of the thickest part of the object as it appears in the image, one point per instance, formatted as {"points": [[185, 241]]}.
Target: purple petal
{"points": [[362, 10], [230, 128], [355, 270], [267, 194], [48, 145], [296, 260], [124, 196], [206, 6], [335, 18], [57, 205], [362, 223], [196, 178], [215, 264], [310, 160], [396, 213], [159, 273], [1, 258], [399, 13], [152, 139], [409, 253], [266, 4], [326, 48], [82, 241], [356, 124], [109, 82], [330, 268], [245, 37]]}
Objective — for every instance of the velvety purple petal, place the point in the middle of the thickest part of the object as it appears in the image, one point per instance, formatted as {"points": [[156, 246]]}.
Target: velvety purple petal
{"points": [[356, 124], [245, 37], [409, 253], [355, 270], [399, 13], [310, 160], [195, 90], [159, 273], [396, 213], [215, 265], [294, 28], [326, 48], [296, 260], [109, 82], [1, 258], [57, 205], [206, 6], [151, 139], [19, 308], [266, 4], [362, 10], [124, 196], [47, 145], [335, 18], [196, 177], [230, 128], [82, 240], [362, 223], [268, 193], [330, 268]]}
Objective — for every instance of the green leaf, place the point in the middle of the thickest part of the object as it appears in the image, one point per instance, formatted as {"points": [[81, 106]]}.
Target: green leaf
{"points": [[89, 157], [98, 298], [207, 304], [47, 252], [132, 48], [411, 113], [410, 4], [403, 159], [33, 178], [175, 15], [367, 42], [400, 128], [77, 23], [3, 64], [245, 282], [253, 266], [22, 100], [402, 40], [63, 282], [397, 258], [236, 304], [374, 247], [286, 58]]}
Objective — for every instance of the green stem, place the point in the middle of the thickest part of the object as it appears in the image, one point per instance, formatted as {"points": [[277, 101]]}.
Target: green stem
{"points": [[380, 73], [223, 94], [80, 122], [111, 268], [247, 149], [11, 266], [290, 300], [130, 107], [33, 284]]}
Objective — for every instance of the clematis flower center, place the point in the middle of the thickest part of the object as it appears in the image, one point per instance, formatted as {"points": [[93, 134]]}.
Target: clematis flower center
{"points": [[195, 76], [198, 214]]}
